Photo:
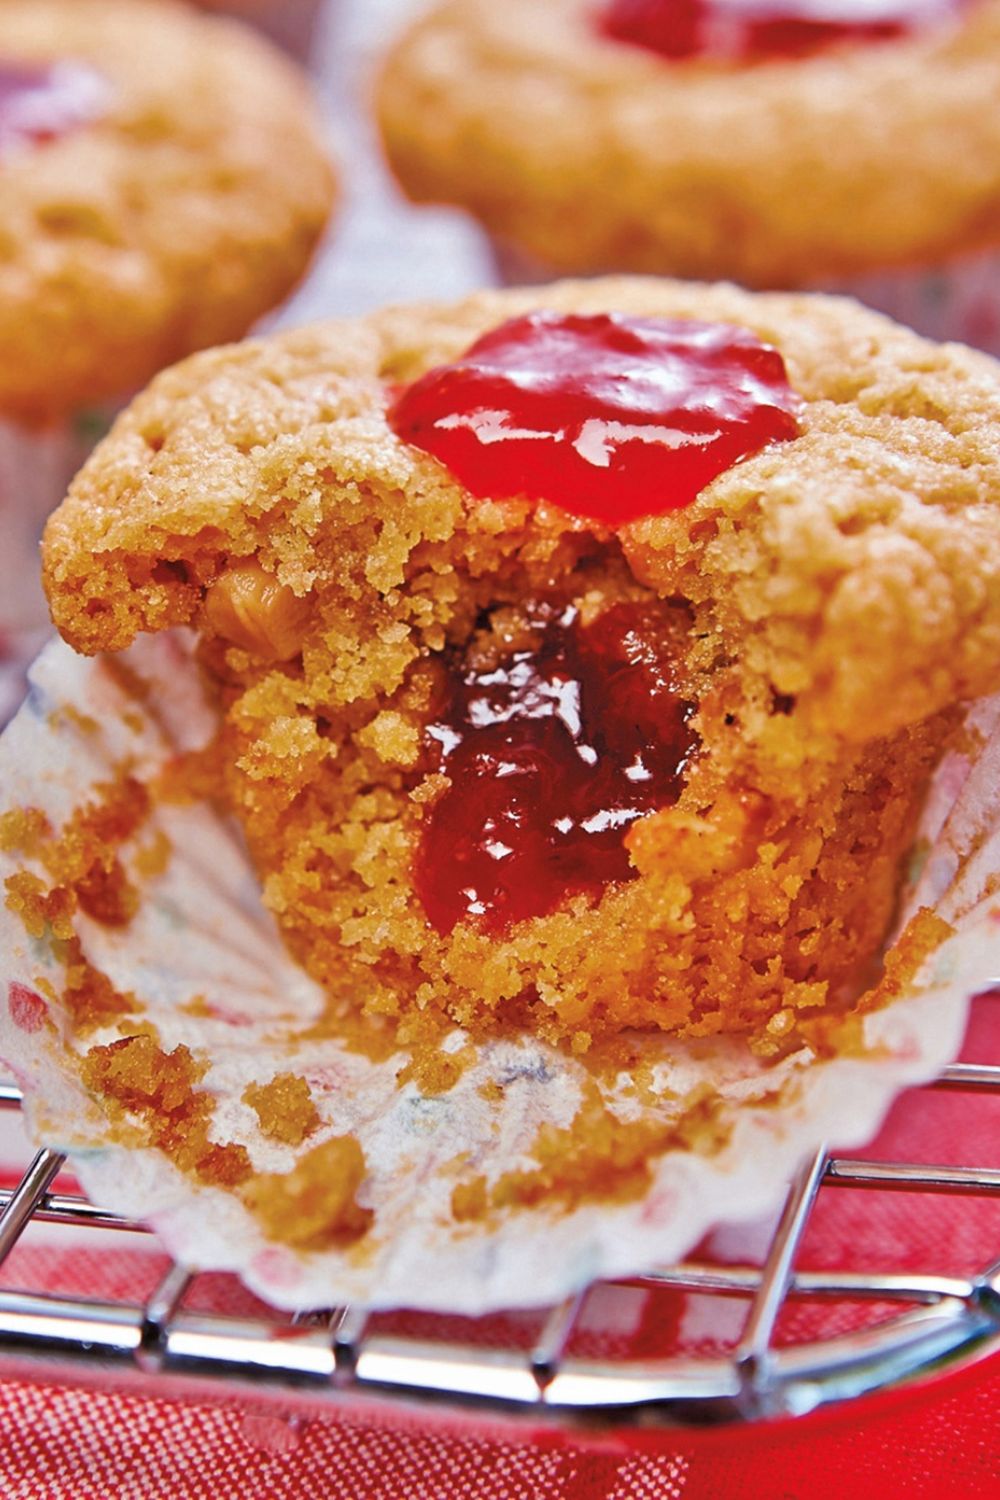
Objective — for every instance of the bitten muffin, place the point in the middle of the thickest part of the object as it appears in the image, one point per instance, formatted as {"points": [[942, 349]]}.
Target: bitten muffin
{"points": [[649, 757], [163, 182], [786, 145]]}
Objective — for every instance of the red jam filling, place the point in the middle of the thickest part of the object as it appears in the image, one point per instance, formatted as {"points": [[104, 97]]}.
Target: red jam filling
{"points": [[551, 756], [743, 30], [607, 416], [40, 102]]}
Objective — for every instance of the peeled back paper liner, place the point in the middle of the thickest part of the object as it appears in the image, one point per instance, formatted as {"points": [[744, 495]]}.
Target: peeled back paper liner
{"points": [[693, 1133]]}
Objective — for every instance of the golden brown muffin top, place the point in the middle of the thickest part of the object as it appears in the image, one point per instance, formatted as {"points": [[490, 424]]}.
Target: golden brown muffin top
{"points": [[855, 569], [594, 155], [188, 207]]}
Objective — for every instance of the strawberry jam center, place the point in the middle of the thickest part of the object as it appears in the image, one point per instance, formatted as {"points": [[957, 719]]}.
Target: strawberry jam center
{"points": [[40, 102], [551, 756], [607, 416], [743, 30]]}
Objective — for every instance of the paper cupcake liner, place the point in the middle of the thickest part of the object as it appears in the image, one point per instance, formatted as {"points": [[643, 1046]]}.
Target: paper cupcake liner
{"points": [[36, 466], [16, 653], [958, 300], [293, 24], [35, 470], [207, 968]]}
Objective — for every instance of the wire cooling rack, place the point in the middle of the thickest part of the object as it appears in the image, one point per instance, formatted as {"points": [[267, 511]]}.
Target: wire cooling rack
{"points": [[934, 1321]]}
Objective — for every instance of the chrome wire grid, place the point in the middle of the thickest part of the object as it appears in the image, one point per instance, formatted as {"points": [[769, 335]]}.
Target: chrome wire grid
{"points": [[340, 1356]]}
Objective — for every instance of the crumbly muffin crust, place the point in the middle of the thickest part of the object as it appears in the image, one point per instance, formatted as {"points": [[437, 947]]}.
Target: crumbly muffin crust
{"points": [[593, 155], [843, 590], [171, 222]]}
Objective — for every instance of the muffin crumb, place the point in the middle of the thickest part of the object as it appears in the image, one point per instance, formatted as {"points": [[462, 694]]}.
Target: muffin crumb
{"points": [[314, 1206], [284, 1108], [134, 1076]]}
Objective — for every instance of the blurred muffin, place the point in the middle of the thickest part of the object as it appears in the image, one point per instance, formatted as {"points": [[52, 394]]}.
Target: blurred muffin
{"points": [[163, 182], [801, 144], [581, 656]]}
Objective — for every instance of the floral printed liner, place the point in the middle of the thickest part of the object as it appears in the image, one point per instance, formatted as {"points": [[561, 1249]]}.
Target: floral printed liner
{"points": [[209, 971]]}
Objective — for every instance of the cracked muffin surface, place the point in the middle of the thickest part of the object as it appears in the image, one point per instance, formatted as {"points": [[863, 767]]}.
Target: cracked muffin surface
{"points": [[822, 608]]}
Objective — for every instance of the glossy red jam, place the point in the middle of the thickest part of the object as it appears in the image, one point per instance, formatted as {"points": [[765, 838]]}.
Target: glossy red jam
{"points": [[609, 417], [39, 102], [754, 29], [551, 757]]}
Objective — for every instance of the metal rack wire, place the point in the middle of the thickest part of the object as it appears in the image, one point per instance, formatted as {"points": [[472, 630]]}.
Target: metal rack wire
{"points": [[944, 1320]]}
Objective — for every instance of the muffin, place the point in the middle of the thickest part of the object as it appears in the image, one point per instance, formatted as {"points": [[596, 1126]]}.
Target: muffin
{"points": [[799, 146], [163, 182], [290, 23], [582, 655]]}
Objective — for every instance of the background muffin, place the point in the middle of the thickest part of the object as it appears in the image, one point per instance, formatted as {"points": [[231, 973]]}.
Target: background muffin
{"points": [[163, 183], [869, 161]]}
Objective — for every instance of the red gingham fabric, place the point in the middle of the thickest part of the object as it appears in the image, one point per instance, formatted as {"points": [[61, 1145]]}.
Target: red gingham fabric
{"points": [[57, 1443], [940, 1439]]}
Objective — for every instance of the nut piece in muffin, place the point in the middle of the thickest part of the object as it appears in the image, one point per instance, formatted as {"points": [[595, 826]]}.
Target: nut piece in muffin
{"points": [[649, 757]]}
